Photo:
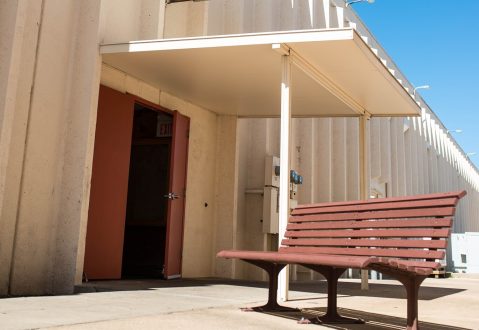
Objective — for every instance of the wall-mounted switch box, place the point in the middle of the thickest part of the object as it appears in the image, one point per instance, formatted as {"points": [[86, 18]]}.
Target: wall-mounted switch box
{"points": [[271, 196]]}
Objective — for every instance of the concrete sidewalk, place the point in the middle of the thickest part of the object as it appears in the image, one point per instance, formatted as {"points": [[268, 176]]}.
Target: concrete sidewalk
{"points": [[214, 304]]}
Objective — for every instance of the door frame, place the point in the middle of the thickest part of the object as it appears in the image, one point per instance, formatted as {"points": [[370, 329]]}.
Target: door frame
{"points": [[148, 104]]}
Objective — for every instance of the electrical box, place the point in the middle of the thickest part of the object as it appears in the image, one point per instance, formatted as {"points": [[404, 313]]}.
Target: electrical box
{"points": [[472, 254], [271, 193], [271, 196], [459, 252]]}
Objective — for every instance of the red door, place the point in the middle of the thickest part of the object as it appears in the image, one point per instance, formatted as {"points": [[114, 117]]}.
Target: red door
{"points": [[176, 199], [109, 185]]}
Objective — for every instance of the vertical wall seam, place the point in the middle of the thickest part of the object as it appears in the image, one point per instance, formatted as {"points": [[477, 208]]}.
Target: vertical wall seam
{"points": [[27, 132]]}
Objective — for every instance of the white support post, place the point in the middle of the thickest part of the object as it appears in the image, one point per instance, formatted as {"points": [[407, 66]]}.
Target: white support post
{"points": [[283, 280], [364, 176]]}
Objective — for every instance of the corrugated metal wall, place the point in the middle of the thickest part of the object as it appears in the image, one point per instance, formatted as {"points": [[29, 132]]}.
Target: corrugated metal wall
{"points": [[407, 156]]}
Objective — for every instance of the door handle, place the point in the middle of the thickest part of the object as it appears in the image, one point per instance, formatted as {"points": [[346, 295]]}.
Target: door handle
{"points": [[172, 196]]}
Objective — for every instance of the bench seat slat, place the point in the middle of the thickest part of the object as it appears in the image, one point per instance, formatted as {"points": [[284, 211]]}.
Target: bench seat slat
{"points": [[456, 194], [424, 271], [413, 269], [421, 271], [404, 223], [398, 243], [409, 263], [397, 253], [370, 215], [378, 206], [298, 258], [436, 233]]}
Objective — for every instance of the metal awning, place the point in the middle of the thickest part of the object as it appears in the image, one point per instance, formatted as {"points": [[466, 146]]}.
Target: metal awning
{"points": [[334, 73]]}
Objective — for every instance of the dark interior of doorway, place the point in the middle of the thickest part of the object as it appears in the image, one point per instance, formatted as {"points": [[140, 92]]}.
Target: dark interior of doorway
{"points": [[148, 182]]}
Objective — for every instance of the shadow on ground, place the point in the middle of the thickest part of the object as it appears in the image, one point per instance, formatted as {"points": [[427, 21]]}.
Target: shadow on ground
{"points": [[372, 321], [344, 288]]}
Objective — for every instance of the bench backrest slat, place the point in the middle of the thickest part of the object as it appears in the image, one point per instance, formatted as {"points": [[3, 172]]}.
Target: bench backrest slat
{"points": [[413, 230], [395, 253], [382, 233], [392, 243], [352, 224], [428, 203], [368, 215], [455, 194]]}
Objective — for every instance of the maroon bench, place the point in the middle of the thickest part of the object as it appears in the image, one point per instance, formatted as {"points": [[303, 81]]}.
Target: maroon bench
{"points": [[402, 237]]}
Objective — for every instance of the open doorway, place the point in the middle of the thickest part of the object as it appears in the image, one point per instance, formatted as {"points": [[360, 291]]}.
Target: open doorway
{"points": [[147, 203]]}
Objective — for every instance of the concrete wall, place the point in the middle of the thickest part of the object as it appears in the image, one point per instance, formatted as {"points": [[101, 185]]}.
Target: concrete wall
{"points": [[125, 20], [18, 30], [49, 80]]}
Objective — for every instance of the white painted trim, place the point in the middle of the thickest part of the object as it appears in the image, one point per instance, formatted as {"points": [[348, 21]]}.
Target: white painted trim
{"points": [[229, 41], [285, 155], [364, 177]]}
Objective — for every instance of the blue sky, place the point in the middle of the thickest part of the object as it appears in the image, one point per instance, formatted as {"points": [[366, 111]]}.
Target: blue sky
{"points": [[435, 43]]}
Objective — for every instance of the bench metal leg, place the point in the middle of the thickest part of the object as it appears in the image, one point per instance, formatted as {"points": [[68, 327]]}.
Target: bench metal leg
{"points": [[412, 285], [332, 316], [272, 305]]}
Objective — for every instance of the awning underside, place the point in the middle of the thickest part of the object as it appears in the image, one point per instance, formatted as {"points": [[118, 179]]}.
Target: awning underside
{"points": [[241, 75]]}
